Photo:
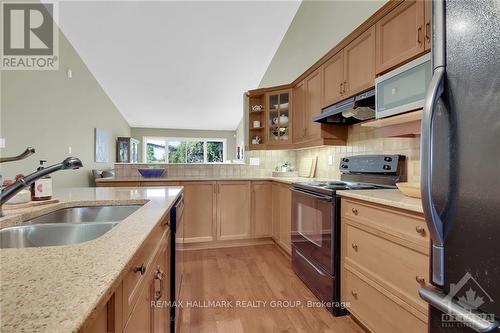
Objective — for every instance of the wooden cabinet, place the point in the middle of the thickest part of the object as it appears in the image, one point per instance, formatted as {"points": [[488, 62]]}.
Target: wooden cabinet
{"points": [[313, 105], [391, 279], [276, 211], [278, 120], [428, 26], [333, 79], [233, 210], [199, 211], [359, 64], [262, 209], [400, 35], [350, 71], [282, 216], [299, 114]]}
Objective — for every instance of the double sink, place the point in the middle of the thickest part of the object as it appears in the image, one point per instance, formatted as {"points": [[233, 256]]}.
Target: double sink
{"points": [[65, 226]]}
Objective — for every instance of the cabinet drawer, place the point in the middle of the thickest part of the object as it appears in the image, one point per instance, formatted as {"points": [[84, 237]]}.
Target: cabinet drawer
{"points": [[399, 269], [406, 227], [376, 311], [134, 280]]}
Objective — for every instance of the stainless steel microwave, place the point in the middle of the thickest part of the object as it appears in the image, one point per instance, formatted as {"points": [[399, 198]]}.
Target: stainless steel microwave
{"points": [[404, 88]]}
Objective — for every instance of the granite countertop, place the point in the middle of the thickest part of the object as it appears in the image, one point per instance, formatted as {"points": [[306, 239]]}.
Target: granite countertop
{"points": [[286, 180], [55, 289], [389, 197]]}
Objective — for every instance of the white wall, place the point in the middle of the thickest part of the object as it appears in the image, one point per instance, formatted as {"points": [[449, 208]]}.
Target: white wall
{"points": [[316, 28], [49, 111]]}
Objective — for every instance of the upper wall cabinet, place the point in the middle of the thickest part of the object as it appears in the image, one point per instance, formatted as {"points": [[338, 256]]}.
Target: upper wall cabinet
{"points": [[359, 63], [351, 70], [401, 35], [278, 110], [333, 79]]}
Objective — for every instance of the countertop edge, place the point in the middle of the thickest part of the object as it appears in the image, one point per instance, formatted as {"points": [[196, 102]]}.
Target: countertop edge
{"points": [[387, 197]]}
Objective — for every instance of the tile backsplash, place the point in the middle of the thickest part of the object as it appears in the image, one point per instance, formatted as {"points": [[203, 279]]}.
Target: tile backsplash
{"points": [[361, 141]]}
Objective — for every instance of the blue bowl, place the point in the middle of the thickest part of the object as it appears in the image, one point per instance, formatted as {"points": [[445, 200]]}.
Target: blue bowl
{"points": [[151, 173]]}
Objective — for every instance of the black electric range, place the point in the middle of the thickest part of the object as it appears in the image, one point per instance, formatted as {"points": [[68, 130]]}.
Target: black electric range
{"points": [[316, 221]]}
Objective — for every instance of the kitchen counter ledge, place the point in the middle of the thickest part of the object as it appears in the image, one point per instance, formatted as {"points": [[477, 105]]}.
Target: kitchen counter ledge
{"points": [[388, 197], [57, 288]]}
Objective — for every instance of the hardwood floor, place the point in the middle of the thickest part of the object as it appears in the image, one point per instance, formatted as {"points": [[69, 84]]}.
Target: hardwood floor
{"points": [[241, 275]]}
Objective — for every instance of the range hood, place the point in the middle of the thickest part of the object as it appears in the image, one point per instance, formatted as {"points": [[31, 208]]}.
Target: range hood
{"points": [[350, 111]]}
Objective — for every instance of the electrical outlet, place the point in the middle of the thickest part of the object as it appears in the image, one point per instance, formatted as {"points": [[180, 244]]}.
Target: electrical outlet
{"points": [[330, 160]]}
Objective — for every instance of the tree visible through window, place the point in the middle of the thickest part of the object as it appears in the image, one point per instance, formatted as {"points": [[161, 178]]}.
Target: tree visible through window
{"points": [[186, 150]]}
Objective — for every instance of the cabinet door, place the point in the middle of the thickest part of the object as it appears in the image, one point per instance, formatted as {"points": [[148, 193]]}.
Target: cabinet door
{"points": [[299, 112], [199, 211], [233, 210], [333, 79], [141, 316], [400, 35], [262, 209], [359, 63], [428, 27], [313, 105], [161, 291], [278, 108], [285, 218], [276, 211]]}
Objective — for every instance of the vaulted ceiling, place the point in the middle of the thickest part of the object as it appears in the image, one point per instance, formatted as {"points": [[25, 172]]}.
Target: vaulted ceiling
{"points": [[177, 64]]}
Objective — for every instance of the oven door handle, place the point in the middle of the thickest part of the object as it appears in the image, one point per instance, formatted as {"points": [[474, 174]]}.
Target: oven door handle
{"points": [[310, 263], [317, 196]]}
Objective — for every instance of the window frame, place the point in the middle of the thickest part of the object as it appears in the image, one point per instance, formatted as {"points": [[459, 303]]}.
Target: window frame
{"points": [[167, 139]]}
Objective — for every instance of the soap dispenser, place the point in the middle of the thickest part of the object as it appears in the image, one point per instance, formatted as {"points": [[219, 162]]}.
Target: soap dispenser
{"points": [[41, 189]]}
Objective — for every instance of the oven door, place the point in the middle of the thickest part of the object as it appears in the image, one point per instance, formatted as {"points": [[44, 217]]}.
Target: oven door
{"points": [[312, 227]]}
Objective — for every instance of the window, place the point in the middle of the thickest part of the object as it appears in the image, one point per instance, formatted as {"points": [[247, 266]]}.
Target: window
{"points": [[183, 150]]}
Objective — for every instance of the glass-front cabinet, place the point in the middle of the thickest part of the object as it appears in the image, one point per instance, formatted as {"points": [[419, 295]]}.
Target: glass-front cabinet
{"points": [[278, 107]]}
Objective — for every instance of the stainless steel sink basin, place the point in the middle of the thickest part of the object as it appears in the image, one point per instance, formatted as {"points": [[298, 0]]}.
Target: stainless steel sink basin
{"points": [[52, 234], [86, 214], [65, 226]]}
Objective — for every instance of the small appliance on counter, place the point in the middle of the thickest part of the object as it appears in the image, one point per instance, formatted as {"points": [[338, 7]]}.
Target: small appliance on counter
{"points": [[316, 221]]}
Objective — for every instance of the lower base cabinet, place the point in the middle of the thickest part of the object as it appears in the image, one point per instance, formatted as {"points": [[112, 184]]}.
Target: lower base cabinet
{"points": [[199, 211], [282, 216], [233, 210], [385, 260], [148, 311]]}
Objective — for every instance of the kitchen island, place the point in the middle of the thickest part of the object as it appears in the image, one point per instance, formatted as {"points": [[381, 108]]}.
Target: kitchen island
{"points": [[69, 288]]}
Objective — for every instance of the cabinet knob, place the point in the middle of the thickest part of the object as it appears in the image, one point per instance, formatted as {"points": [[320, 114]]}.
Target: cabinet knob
{"points": [[355, 211], [420, 230], [354, 294], [420, 279], [140, 269], [354, 246]]}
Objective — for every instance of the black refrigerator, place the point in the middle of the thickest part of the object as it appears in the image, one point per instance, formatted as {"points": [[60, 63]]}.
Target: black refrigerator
{"points": [[460, 165]]}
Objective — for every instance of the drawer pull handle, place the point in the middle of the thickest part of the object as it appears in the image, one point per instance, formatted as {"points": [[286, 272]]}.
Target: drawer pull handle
{"points": [[160, 276], [419, 32], [354, 246], [420, 230], [420, 279], [140, 269], [355, 211], [354, 294]]}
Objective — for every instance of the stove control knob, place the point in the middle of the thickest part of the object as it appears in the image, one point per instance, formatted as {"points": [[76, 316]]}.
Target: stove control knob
{"points": [[344, 166], [345, 160], [387, 167], [388, 159]]}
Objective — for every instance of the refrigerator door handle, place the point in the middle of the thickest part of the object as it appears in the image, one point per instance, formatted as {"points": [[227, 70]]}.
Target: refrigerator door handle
{"points": [[476, 320], [432, 217], [434, 92]]}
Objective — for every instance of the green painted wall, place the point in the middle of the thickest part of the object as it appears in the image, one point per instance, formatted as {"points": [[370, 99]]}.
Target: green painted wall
{"points": [[316, 28], [230, 136], [49, 111]]}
